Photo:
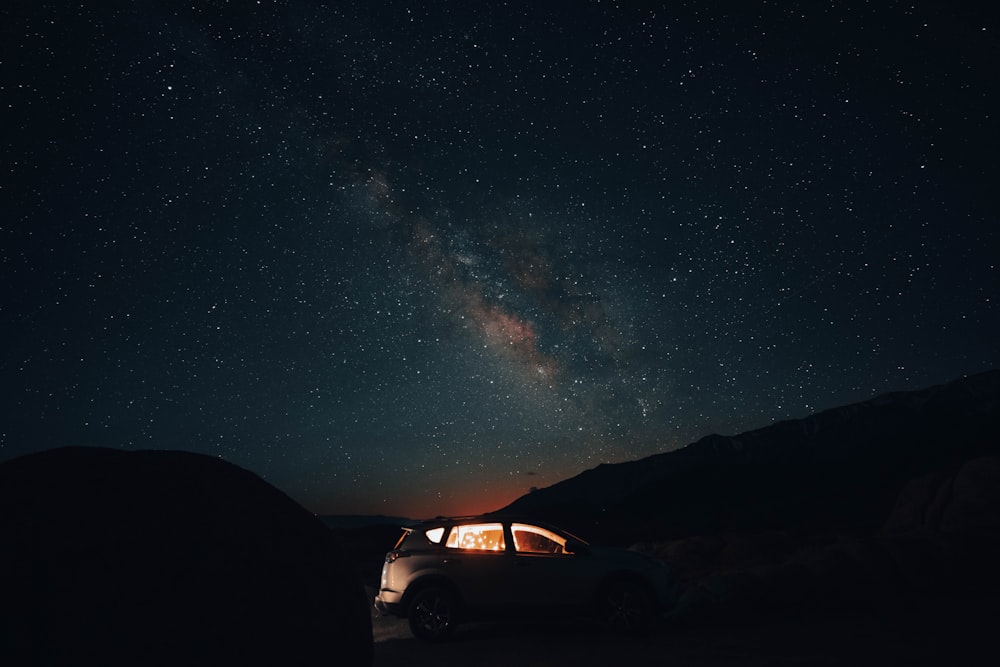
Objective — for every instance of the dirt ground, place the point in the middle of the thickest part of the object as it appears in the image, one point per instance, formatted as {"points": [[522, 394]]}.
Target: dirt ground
{"points": [[830, 639]]}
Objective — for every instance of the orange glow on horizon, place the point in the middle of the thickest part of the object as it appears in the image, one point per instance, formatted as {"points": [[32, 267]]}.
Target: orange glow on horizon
{"points": [[456, 502], [442, 492]]}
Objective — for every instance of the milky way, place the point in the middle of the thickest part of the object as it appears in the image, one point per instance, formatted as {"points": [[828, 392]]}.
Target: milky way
{"points": [[419, 261]]}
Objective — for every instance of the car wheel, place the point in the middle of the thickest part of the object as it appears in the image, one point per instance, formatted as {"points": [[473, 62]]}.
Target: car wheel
{"points": [[625, 607], [432, 614]]}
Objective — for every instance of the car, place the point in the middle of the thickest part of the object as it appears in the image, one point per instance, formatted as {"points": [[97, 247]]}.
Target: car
{"points": [[447, 571]]}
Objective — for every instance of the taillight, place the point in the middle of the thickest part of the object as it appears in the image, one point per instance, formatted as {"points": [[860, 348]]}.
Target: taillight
{"points": [[394, 554]]}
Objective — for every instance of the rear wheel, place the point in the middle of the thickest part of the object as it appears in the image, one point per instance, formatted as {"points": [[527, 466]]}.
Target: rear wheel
{"points": [[433, 613], [625, 607]]}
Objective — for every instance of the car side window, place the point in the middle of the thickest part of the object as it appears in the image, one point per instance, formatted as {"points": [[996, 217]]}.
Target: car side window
{"points": [[536, 540], [478, 536]]}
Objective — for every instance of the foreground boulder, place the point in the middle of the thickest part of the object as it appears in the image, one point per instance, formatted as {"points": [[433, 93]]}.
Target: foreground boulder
{"points": [[168, 558], [945, 528], [941, 542]]}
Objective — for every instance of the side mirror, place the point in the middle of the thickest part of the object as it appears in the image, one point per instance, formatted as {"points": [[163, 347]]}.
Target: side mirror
{"points": [[576, 548]]}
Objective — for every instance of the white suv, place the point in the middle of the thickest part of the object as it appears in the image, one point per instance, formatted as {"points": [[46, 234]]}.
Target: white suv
{"points": [[446, 571]]}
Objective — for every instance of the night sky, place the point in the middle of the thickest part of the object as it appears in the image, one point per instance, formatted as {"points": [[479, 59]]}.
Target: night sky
{"points": [[417, 258]]}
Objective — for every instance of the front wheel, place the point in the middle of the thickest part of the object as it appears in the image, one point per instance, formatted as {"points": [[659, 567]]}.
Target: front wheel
{"points": [[432, 614], [625, 607]]}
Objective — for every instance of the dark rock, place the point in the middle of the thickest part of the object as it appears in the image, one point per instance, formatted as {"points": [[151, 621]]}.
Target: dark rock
{"points": [[692, 557], [919, 505], [168, 558], [944, 530], [975, 497], [940, 543]]}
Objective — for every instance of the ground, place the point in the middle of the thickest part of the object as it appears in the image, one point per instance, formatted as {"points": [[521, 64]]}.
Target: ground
{"points": [[817, 639]]}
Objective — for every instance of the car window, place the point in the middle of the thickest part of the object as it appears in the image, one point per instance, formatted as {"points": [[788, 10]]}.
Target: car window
{"points": [[536, 540], [480, 536]]}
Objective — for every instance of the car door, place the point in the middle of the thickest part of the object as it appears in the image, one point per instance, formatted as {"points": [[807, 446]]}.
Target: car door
{"points": [[544, 573], [475, 558]]}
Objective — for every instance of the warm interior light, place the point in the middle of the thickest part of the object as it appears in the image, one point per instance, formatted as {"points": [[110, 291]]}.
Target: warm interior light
{"points": [[534, 539], [480, 536], [435, 534]]}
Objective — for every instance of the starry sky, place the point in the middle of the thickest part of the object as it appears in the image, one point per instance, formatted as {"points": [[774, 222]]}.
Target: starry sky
{"points": [[418, 258]]}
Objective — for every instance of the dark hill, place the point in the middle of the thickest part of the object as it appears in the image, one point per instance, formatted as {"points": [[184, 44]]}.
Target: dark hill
{"points": [[841, 469], [168, 558]]}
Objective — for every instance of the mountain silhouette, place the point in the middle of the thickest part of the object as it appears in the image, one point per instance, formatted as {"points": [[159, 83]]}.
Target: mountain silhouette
{"points": [[839, 469]]}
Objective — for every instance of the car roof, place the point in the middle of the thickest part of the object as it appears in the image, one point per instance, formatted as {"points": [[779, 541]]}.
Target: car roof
{"points": [[484, 518], [473, 518]]}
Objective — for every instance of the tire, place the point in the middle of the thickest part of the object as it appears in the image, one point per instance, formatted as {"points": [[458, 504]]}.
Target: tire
{"points": [[625, 607], [432, 614]]}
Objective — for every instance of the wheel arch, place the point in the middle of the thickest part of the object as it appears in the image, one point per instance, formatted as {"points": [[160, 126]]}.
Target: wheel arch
{"points": [[430, 581]]}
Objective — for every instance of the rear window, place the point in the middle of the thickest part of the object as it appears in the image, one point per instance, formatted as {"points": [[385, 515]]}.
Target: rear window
{"points": [[478, 536]]}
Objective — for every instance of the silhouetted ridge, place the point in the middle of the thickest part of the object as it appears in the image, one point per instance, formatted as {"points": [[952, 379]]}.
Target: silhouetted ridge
{"points": [[840, 468]]}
